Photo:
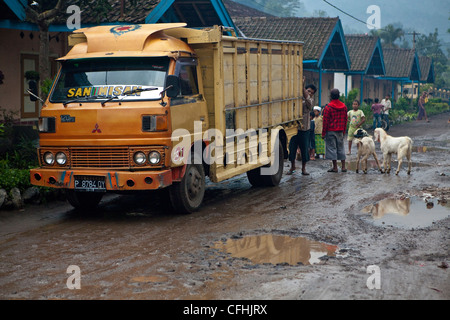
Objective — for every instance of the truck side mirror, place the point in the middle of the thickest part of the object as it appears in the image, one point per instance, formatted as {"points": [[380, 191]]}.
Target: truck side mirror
{"points": [[172, 86], [32, 85]]}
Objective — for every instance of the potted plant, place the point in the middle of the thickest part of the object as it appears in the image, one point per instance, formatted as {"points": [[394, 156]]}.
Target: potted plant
{"points": [[32, 75]]}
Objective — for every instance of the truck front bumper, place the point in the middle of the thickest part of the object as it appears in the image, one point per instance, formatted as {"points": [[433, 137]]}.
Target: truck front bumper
{"points": [[113, 180]]}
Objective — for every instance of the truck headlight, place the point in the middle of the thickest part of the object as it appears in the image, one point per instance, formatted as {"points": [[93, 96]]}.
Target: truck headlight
{"points": [[154, 157], [61, 158], [139, 158], [49, 158]]}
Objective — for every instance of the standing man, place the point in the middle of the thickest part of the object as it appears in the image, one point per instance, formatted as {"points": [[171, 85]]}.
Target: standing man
{"points": [[422, 112], [386, 102], [377, 109], [334, 127], [301, 140]]}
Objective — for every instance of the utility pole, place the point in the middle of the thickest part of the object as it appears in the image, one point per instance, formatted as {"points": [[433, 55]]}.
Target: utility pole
{"points": [[414, 33]]}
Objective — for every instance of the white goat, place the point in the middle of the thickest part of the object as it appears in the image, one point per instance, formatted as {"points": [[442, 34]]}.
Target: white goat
{"points": [[366, 147], [402, 146]]}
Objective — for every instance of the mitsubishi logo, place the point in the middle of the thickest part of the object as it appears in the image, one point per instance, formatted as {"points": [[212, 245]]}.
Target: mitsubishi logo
{"points": [[96, 129]]}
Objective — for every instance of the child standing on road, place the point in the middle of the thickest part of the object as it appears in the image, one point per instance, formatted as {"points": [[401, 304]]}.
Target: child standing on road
{"points": [[319, 142], [356, 118], [377, 109]]}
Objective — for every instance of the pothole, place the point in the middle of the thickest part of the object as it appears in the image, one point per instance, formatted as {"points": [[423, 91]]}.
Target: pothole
{"points": [[408, 212], [277, 249]]}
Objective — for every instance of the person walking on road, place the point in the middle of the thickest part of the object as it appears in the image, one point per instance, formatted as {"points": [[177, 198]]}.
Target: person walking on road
{"points": [[334, 127], [377, 109], [422, 111]]}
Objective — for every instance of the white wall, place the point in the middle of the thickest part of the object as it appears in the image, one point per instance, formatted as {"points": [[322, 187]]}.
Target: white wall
{"points": [[339, 82]]}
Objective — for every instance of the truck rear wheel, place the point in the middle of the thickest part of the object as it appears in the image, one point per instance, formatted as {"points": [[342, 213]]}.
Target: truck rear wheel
{"points": [[256, 179], [187, 195], [83, 200]]}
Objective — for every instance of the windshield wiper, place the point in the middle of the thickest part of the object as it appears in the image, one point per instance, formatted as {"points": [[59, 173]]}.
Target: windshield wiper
{"points": [[128, 93], [83, 98]]}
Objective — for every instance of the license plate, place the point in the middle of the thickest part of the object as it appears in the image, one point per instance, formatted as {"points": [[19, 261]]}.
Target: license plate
{"points": [[90, 183]]}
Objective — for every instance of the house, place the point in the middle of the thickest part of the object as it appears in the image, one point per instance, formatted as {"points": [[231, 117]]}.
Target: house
{"points": [[367, 60], [325, 50], [19, 51], [426, 76], [402, 66]]}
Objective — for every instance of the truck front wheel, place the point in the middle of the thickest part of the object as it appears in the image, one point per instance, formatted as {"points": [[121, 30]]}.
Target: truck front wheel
{"points": [[83, 200], [187, 195]]}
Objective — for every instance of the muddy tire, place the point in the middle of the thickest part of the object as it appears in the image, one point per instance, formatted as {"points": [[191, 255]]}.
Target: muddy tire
{"points": [[256, 179], [187, 195], [83, 200]]}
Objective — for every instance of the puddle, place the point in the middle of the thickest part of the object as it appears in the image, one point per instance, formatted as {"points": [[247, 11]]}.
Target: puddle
{"points": [[408, 213], [277, 249]]}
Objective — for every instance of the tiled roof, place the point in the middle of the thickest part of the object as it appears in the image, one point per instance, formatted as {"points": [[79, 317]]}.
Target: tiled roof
{"points": [[360, 50], [426, 69], [314, 32], [398, 62], [237, 10]]}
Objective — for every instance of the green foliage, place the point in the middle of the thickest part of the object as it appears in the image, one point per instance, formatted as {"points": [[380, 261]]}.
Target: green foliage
{"points": [[430, 46], [32, 75], [402, 104], [389, 35], [45, 88], [351, 96], [12, 177]]}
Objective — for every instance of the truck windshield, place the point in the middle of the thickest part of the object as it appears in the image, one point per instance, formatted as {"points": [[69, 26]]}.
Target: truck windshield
{"points": [[92, 79]]}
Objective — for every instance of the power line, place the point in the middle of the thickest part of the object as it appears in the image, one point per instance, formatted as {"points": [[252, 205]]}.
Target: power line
{"points": [[414, 33], [351, 16]]}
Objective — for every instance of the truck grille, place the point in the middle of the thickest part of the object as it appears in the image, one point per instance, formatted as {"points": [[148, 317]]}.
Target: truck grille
{"points": [[100, 157]]}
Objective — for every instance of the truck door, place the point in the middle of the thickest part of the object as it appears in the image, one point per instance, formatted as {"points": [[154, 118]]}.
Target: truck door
{"points": [[189, 106]]}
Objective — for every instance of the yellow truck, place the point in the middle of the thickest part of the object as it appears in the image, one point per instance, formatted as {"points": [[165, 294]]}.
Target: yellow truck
{"points": [[145, 107]]}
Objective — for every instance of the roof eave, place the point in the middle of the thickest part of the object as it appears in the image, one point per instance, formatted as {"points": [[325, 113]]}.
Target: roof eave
{"points": [[337, 28], [380, 51]]}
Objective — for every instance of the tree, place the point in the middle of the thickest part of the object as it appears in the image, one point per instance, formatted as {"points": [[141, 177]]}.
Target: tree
{"points": [[389, 35], [48, 12], [430, 46], [44, 14]]}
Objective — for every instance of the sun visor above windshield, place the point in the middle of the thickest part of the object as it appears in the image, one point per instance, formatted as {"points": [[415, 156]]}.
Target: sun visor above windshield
{"points": [[119, 39]]}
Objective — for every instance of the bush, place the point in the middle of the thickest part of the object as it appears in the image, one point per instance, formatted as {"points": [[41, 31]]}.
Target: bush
{"points": [[351, 96], [10, 178]]}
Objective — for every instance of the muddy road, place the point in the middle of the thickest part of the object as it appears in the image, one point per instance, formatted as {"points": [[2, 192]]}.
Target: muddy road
{"points": [[323, 236]]}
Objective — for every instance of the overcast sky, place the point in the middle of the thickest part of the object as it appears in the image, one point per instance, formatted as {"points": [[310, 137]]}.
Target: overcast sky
{"points": [[419, 15]]}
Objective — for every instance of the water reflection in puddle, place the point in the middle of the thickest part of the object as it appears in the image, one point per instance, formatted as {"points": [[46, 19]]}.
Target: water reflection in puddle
{"points": [[408, 213], [275, 249]]}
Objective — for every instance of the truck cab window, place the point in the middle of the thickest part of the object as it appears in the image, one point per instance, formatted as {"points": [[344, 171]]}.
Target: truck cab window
{"points": [[187, 73]]}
